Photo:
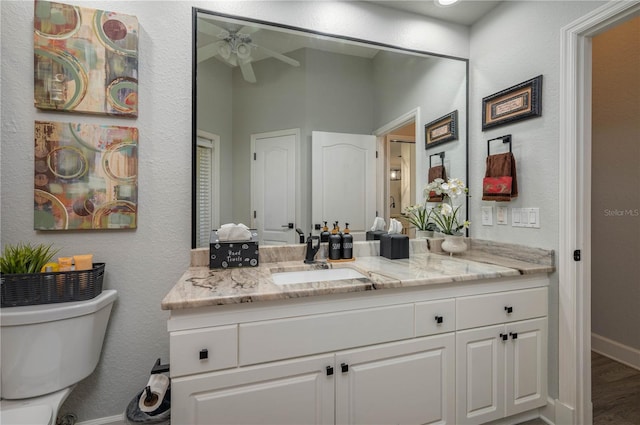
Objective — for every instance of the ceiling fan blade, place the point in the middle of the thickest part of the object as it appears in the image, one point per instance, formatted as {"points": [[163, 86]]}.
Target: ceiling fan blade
{"points": [[207, 52], [247, 71], [248, 30], [279, 56], [207, 27]]}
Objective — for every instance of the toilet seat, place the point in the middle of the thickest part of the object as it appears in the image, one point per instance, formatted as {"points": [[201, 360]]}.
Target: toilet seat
{"points": [[27, 415]]}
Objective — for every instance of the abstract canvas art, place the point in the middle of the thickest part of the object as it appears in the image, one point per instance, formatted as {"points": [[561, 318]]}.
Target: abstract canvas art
{"points": [[85, 176], [86, 60]]}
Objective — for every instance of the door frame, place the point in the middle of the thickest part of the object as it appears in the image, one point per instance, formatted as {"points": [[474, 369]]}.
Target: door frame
{"points": [[279, 133], [382, 173], [573, 405]]}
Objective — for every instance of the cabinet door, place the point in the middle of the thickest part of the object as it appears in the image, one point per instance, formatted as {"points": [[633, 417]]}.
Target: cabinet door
{"points": [[480, 356], [408, 382], [290, 392], [526, 365]]}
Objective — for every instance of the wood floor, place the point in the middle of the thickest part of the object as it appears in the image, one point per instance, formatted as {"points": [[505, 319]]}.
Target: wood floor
{"points": [[615, 393]]}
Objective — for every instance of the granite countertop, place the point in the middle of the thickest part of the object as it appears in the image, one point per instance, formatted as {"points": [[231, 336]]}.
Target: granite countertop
{"points": [[199, 286]]}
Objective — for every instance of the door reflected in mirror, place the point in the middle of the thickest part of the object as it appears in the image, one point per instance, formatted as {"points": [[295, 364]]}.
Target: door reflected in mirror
{"points": [[257, 85]]}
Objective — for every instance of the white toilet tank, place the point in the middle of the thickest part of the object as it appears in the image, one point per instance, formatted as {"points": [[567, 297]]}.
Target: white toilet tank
{"points": [[48, 347]]}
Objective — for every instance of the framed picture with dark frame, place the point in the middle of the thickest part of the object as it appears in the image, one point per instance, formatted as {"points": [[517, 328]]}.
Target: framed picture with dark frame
{"points": [[516, 103], [442, 130]]}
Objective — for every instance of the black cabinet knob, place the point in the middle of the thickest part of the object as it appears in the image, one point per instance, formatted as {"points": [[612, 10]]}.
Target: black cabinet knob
{"points": [[329, 370], [508, 309], [514, 335], [439, 319], [504, 337], [204, 354], [344, 367]]}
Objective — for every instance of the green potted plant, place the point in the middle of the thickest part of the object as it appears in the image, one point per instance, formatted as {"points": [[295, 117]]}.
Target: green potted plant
{"points": [[419, 215], [25, 258]]}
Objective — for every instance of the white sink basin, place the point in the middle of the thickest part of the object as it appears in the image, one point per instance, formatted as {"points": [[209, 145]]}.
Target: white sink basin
{"points": [[322, 275]]}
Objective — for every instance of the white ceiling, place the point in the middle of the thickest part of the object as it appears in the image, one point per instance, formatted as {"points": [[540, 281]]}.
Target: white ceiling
{"points": [[464, 12]]}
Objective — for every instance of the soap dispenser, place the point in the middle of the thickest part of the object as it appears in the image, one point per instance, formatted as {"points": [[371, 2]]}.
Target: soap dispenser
{"points": [[335, 244], [347, 243], [324, 235]]}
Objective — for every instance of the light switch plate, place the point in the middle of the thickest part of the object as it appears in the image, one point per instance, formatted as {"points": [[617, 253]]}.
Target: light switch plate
{"points": [[502, 215], [487, 216]]}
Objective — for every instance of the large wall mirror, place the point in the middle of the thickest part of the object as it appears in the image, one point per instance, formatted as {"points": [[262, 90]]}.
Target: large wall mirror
{"points": [[292, 128]]}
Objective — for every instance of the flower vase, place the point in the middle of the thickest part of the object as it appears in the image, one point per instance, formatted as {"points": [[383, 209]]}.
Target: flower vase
{"points": [[421, 234], [454, 244]]}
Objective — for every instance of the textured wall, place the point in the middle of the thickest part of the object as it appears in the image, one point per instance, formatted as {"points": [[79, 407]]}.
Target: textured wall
{"points": [[144, 264], [615, 198], [514, 43]]}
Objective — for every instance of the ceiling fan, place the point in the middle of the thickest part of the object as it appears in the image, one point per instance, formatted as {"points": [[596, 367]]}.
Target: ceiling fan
{"points": [[235, 47]]}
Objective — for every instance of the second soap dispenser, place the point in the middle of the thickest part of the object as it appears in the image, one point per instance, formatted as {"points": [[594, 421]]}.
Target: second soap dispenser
{"points": [[335, 244]]}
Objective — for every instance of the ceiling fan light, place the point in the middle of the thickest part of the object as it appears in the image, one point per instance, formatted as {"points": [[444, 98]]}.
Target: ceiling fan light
{"points": [[224, 49], [243, 51], [445, 2]]}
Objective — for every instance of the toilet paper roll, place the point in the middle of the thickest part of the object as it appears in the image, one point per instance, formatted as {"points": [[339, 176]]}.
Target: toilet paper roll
{"points": [[158, 384]]}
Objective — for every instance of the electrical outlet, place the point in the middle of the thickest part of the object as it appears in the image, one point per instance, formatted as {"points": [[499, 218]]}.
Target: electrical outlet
{"points": [[501, 215], [487, 216]]}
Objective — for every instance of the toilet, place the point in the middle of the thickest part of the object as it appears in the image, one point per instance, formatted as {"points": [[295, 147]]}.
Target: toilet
{"points": [[45, 350]]}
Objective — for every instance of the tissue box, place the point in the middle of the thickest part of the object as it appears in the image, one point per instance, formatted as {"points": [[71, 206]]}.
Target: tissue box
{"points": [[394, 246], [227, 254], [374, 235]]}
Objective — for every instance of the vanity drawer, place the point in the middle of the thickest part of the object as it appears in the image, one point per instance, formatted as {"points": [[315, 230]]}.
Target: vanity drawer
{"points": [[300, 336], [435, 317], [503, 307], [203, 350]]}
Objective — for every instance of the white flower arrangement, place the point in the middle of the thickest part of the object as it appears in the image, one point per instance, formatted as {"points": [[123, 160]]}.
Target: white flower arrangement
{"points": [[445, 215]]}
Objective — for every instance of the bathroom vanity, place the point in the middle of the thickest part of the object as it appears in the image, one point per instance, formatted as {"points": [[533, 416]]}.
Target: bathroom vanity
{"points": [[429, 339]]}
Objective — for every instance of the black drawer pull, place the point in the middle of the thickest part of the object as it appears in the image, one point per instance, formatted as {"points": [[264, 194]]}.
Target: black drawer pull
{"points": [[344, 367], [439, 319], [329, 370], [204, 354], [504, 337], [508, 309], [514, 335]]}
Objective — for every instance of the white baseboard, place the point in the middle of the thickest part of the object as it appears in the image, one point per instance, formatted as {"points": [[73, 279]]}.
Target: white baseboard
{"points": [[548, 412], [564, 413], [109, 420], [616, 351]]}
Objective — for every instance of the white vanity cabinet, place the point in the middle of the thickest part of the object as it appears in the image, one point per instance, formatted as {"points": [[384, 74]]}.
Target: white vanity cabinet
{"points": [[376, 357], [501, 369]]}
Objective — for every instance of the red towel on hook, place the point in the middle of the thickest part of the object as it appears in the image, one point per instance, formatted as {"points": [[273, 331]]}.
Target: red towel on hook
{"points": [[500, 182], [436, 172]]}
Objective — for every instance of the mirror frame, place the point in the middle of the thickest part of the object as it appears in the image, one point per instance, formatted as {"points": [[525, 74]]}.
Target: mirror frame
{"points": [[194, 92]]}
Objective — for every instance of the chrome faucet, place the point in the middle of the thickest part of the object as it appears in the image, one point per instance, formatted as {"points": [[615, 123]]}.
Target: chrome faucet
{"points": [[312, 249]]}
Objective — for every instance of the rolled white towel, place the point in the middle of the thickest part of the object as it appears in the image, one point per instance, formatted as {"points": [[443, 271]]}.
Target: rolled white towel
{"points": [[378, 224], [234, 232], [395, 226]]}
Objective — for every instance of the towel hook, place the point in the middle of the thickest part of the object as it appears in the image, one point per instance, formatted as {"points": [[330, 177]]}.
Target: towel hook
{"points": [[441, 155], [505, 139]]}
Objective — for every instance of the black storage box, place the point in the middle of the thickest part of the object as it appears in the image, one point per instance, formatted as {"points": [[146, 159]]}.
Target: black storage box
{"points": [[394, 246], [227, 254], [374, 235]]}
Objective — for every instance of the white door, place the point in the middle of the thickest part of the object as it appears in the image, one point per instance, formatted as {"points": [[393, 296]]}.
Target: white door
{"points": [[408, 382], [274, 185], [291, 392], [343, 180], [526, 365], [480, 369]]}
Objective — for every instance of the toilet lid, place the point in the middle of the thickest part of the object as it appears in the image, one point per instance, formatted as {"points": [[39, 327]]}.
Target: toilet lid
{"points": [[31, 415]]}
